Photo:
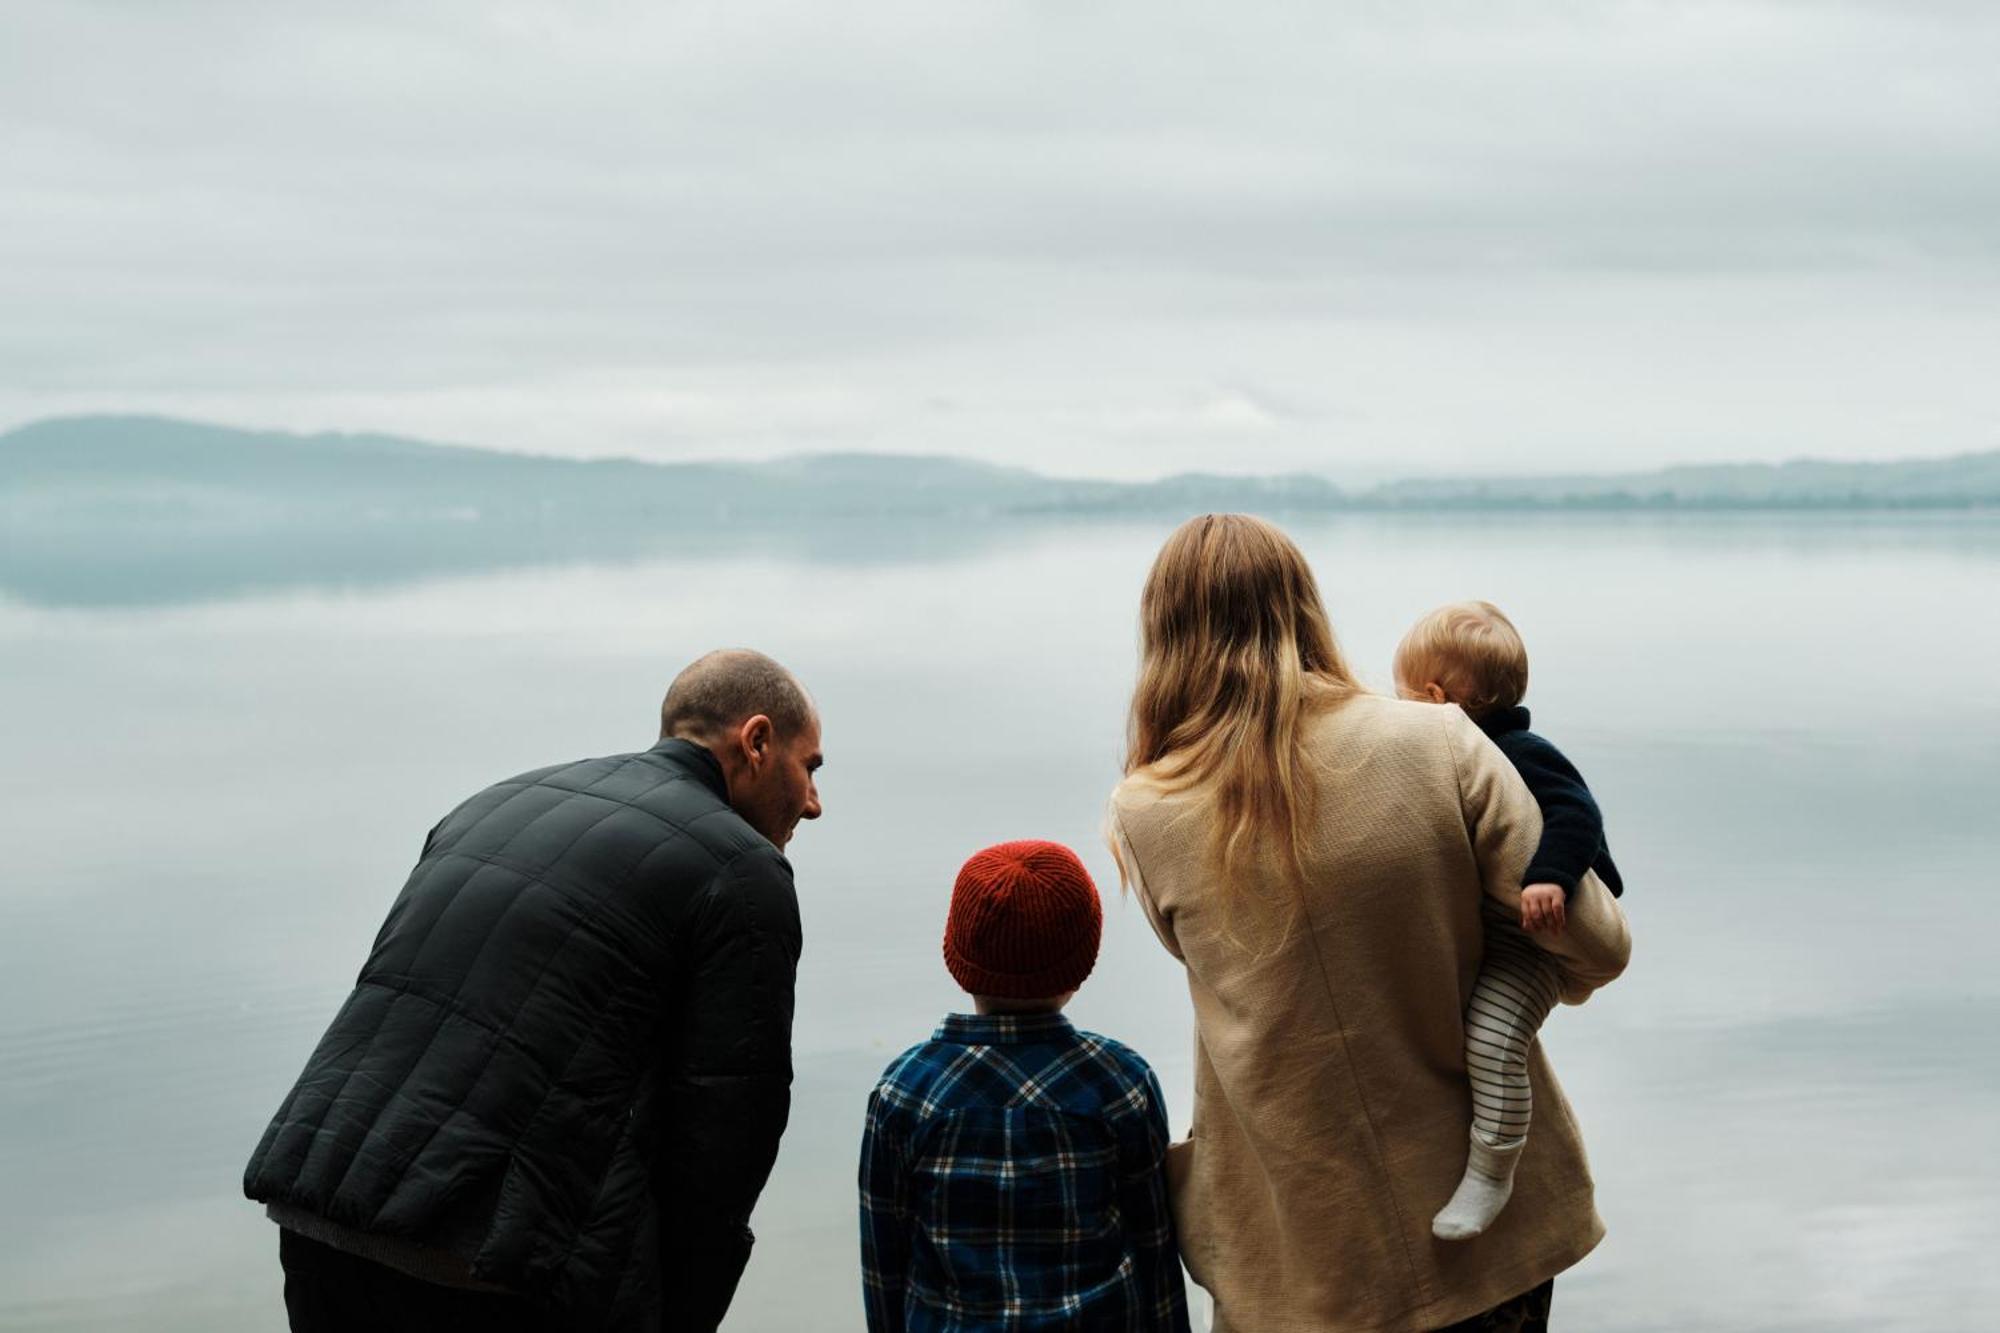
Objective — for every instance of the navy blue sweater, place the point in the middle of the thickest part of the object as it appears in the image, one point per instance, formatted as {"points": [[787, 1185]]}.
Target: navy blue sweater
{"points": [[1572, 827]]}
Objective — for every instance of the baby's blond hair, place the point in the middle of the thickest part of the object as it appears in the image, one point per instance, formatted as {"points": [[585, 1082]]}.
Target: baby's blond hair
{"points": [[1471, 651]]}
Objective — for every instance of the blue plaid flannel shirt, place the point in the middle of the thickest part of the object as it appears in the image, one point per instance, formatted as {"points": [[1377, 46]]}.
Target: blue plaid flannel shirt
{"points": [[1013, 1178]]}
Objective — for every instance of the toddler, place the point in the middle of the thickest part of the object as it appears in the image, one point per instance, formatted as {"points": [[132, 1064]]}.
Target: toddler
{"points": [[1012, 1167], [1469, 654]]}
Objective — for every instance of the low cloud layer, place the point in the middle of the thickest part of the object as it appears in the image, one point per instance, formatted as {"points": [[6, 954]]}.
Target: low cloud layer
{"points": [[1111, 238]]}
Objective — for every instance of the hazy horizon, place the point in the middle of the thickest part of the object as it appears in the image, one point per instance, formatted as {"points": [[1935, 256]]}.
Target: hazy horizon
{"points": [[1361, 240], [1353, 476]]}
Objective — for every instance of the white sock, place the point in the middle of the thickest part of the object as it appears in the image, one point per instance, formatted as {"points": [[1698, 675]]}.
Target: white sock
{"points": [[1482, 1192]]}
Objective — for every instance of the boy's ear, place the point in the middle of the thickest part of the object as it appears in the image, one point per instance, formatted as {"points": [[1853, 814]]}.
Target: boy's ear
{"points": [[1434, 692]]}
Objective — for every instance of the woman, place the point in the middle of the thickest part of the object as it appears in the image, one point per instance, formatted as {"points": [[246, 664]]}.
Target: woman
{"points": [[1316, 856]]}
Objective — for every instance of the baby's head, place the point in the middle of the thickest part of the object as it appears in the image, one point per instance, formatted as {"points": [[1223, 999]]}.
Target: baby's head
{"points": [[1024, 927], [1466, 653]]}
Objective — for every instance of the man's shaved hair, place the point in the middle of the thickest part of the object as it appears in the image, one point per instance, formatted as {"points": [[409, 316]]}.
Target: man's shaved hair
{"points": [[727, 687]]}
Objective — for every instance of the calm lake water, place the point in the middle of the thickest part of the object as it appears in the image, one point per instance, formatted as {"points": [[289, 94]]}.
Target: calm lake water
{"points": [[1791, 722]]}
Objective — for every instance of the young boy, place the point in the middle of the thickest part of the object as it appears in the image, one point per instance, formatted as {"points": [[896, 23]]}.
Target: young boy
{"points": [[1012, 1168], [1470, 654]]}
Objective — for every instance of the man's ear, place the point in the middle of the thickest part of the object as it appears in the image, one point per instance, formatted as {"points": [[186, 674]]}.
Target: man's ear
{"points": [[757, 737]]}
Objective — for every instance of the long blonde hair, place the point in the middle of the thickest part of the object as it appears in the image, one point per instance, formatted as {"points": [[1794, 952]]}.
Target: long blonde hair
{"points": [[1235, 652]]}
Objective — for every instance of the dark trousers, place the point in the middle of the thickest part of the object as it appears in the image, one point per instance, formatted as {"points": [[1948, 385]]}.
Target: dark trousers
{"points": [[1526, 1313], [332, 1291]]}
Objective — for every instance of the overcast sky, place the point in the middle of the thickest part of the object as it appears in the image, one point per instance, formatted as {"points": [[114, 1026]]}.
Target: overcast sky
{"points": [[1112, 239]]}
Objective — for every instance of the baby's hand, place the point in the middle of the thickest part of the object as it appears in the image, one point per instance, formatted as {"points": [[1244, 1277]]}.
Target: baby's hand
{"points": [[1542, 908]]}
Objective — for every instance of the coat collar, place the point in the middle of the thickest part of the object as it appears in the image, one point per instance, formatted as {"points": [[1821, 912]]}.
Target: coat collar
{"points": [[1503, 720], [1003, 1029], [695, 761]]}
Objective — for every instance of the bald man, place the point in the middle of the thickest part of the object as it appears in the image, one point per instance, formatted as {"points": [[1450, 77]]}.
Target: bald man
{"points": [[558, 1085]]}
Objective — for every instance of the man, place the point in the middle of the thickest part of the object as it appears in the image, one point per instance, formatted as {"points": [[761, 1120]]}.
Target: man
{"points": [[558, 1085]]}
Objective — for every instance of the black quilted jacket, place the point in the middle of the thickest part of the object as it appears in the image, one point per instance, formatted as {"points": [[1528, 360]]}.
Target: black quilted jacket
{"points": [[568, 1058]]}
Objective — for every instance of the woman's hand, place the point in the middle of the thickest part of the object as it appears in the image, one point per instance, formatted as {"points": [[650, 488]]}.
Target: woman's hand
{"points": [[1542, 908]]}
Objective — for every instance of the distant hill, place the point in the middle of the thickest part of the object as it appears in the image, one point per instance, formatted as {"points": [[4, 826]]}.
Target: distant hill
{"points": [[1964, 481], [125, 510], [178, 471]]}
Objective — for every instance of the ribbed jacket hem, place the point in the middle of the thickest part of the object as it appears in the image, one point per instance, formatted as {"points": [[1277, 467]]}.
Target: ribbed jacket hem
{"points": [[422, 1262]]}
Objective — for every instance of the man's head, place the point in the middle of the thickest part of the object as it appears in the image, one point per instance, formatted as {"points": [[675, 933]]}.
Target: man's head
{"points": [[755, 718]]}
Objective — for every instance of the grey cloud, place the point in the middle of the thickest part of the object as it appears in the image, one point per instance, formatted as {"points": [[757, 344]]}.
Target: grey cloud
{"points": [[1082, 215]]}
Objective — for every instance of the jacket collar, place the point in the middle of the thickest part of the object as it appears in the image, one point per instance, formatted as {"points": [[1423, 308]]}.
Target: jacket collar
{"points": [[695, 761], [1503, 720], [1003, 1029]]}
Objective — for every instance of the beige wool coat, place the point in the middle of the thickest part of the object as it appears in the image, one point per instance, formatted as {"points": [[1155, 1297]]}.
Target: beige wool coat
{"points": [[1331, 1102]]}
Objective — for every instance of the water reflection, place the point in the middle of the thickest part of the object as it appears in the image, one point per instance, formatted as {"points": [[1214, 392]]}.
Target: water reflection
{"points": [[136, 560]]}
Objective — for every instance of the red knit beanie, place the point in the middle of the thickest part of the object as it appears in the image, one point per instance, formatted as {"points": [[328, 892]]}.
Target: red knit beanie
{"points": [[1024, 923]]}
